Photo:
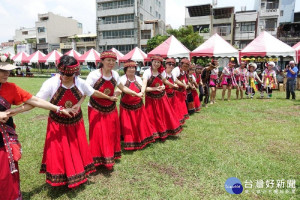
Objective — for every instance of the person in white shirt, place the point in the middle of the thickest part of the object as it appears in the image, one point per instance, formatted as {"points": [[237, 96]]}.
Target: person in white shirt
{"points": [[240, 74], [136, 128], [180, 78], [228, 79], [159, 109], [269, 80], [252, 78], [214, 80], [104, 121]]}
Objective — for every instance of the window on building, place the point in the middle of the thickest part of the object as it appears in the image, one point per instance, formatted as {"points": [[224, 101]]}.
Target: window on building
{"points": [[156, 14], [42, 40], [281, 13], [141, 17], [271, 24], [247, 26], [222, 29], [116, 4], [122, 48], [79, 25], [150, 9], [272, 5], [118, 19], [41, 29], [127, 33], [146, 34], [44, 18], [25, 33]]}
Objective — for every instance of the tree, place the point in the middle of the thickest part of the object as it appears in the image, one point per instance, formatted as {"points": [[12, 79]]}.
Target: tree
{"points": [[155, 41], [187, 37]]}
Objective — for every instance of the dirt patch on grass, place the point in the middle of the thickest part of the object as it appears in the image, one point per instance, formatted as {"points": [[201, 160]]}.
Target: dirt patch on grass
{"points": [[282, 147], [40, 118], [170, 171]]}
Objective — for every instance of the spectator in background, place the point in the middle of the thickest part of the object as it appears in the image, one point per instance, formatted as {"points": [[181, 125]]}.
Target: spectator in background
{"points": [[292, 72]]}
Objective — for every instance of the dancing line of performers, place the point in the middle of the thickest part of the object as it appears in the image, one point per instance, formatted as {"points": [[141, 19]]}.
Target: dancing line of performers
{"points": [[68, 158]]}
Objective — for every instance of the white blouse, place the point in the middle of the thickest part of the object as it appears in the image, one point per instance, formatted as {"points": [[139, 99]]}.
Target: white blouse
{"points": [[176, 73], [51, 85], [94, 76], [148, 73], [124, 79]]}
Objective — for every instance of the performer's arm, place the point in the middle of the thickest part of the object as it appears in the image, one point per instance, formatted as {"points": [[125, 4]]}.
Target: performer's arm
{"points": [[257, 77], [118, 92], [4, 116], [168, 83], [129, 91]]}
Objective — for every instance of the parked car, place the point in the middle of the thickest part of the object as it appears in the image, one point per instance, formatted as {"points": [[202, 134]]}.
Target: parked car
{"points": [[143, 69]]}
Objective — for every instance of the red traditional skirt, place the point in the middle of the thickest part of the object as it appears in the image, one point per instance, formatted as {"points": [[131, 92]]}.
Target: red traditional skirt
{"points": [[105, 137], [180, 97], [172, 99], [196, 100], [160, 112], [9, 183], [67, 159], [136, 128]]}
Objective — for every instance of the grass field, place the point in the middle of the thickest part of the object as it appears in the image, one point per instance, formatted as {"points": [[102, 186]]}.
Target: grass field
{"points": [[252, 140]]}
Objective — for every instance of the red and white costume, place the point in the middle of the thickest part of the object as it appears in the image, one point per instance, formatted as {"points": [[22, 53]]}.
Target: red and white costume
{"points": [[104, 121], [136, 128], [180, 94], [197, 102], [158, 107], [67, 159]]}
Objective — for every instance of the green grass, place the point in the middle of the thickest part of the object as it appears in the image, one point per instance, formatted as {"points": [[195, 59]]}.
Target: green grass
{"points": [[249, 139]]}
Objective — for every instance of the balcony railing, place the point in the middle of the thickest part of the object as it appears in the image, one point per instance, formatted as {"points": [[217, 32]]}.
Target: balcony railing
{"points": [[269, 12]]}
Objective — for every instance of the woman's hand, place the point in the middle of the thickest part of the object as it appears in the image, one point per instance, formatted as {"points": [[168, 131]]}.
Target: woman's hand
{"points": [[4, 116], [76, 108], [68, 112], [113, 98]]}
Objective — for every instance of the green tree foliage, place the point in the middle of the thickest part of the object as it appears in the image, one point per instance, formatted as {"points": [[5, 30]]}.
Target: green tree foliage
{"points": [[185, 35], [155, 41]]}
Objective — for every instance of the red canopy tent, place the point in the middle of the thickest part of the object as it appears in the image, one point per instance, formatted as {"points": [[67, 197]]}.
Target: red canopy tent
{"points": [[135, 54], [20, 57], [90, 56], [215, 46], [73, 53], [119, 54], [297, 48], [267, 45], [52, 57], [36, 57], [170, 48]]}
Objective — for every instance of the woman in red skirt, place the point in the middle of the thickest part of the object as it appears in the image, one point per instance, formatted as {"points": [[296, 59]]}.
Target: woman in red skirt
{"points": [[104, 121], [135, 125], [10, 148], [170, 64], [158, 107], [67, 159], [179, 75], [194, 87]]}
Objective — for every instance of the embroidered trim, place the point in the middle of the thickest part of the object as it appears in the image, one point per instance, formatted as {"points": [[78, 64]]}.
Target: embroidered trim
{"points": [[107, 160], [65, 120], [170, 95], [155, 96], [138, 145], [132, 106], [102, 108]]}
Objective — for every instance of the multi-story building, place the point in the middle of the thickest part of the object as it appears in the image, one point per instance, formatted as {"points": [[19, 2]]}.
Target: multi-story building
{"points": [[208, 20], [81, 43], [50, 27], [273, 12], [24, 34], [125, 24], [245, 27]]}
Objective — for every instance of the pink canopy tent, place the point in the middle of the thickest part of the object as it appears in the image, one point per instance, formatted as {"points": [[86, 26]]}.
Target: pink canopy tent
{"points": [[297, 48], [215, 46], [119, 54], [20, 57], [170, 48], [267, 45], [36, 57], [73, 53], [52, 57], [90, 56], [135, 54]]}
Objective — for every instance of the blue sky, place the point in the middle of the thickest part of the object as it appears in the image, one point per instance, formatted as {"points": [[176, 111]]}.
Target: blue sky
{"points": [[23, 13]]}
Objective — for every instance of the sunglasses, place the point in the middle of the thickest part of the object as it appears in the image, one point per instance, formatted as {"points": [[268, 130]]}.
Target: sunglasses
{"points": [[171, 64], [63, 74]]}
